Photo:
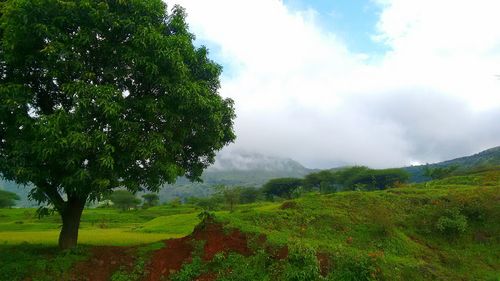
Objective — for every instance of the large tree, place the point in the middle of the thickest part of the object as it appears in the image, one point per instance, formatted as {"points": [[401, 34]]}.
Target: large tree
{"points": [[282, 187], [151, 199], [8, 199], [124, 200], [100, 94]]}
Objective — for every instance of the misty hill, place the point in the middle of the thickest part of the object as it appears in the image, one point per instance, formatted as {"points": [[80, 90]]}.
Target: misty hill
{"points": [[230, 168], [236, 169], [486, 158]]}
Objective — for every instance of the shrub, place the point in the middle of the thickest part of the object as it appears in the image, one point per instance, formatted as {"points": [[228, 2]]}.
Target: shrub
{"points": [[302, 265], [452, 222], [355, 268]]}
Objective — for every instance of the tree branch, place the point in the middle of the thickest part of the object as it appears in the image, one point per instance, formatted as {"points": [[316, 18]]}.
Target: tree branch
{"points": [[53, 194]]}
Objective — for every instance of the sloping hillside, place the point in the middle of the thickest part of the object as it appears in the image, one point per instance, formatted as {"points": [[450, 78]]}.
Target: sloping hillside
{"points": [[232, 169], [486, 158], [236, 169], [439, 230]]}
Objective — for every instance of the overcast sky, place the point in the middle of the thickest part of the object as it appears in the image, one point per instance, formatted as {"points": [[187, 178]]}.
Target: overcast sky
{"points": [[381, 83]]}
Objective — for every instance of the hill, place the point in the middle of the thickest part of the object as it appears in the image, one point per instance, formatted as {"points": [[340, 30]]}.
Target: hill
{"points": [[236, 169], [486, 158], [439, 230], [231, 169]]}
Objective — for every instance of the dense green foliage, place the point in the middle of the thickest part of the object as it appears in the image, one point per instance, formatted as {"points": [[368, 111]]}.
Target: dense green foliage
{"points": [[37, 262], [96, 95], [445, 229], [124, 199], [151, 199], [282, 187], [7, 199], [439, 172], [355, 178], [442, 230], [250, 195]]}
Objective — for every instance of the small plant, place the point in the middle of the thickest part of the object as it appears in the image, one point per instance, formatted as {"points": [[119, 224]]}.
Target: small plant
{"points": [[206, 216], [189, 271], [103, 223], [452, 222]]}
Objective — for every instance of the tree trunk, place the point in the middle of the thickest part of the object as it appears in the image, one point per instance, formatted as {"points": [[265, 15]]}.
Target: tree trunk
{"points": [[70, 215]]}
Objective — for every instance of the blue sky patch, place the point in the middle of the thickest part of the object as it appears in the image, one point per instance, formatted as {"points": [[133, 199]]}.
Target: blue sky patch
{"points": [[354, 21]]}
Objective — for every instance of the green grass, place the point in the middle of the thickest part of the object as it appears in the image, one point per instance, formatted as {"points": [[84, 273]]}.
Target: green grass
{"points": [[398, 226], [113, 236], [384, 235], [176, 224], [100, 226], [37, 262]]}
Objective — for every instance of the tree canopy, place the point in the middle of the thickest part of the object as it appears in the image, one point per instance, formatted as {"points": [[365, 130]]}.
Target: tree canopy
{"points": [[8, 199], [96, 95], [353, 178], [124, 200], [151, 199], [282, 187]]}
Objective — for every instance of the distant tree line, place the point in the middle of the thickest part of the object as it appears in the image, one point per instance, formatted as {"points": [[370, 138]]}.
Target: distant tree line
{"points": [[326, 181], [347, 179], [439, 172]]}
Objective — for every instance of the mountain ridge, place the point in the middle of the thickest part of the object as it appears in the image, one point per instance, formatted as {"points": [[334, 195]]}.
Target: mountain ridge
{"points": [[253, 170], [488, 157]]}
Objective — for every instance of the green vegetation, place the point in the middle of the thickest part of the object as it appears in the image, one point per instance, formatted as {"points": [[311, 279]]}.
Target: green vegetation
{"points": [[355, 178], [8, 199], [440, 230], [97, 95], [124, 200], [98, 226], [150, 200], [38, 262], [282, 187], [439, 172], [419, 232]]}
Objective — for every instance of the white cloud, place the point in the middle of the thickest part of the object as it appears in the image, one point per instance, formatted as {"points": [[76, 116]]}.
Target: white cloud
{"points": [[301, 93], [450, 46]]}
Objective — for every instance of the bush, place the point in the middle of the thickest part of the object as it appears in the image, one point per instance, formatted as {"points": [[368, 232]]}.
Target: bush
{"points": [[355, 268], [452, 222], [302, 265]]}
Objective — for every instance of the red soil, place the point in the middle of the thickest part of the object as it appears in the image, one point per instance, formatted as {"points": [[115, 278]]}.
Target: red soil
{"points": [[169, 259], [207, 277], [216, 241], [106, 260], [178, 251], [280, 253], [103, 262], [324, 263]]}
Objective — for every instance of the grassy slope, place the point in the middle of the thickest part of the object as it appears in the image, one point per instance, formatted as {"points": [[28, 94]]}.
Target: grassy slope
{"points": [[397, 227], [394, 231], [98, 226]]}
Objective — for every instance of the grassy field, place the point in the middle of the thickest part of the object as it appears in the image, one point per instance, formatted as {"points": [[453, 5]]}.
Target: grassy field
{"points": [[100, 226], [441, 230]]}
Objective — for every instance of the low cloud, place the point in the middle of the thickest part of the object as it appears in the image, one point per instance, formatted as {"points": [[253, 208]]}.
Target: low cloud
{"points": [[301, 93]]}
